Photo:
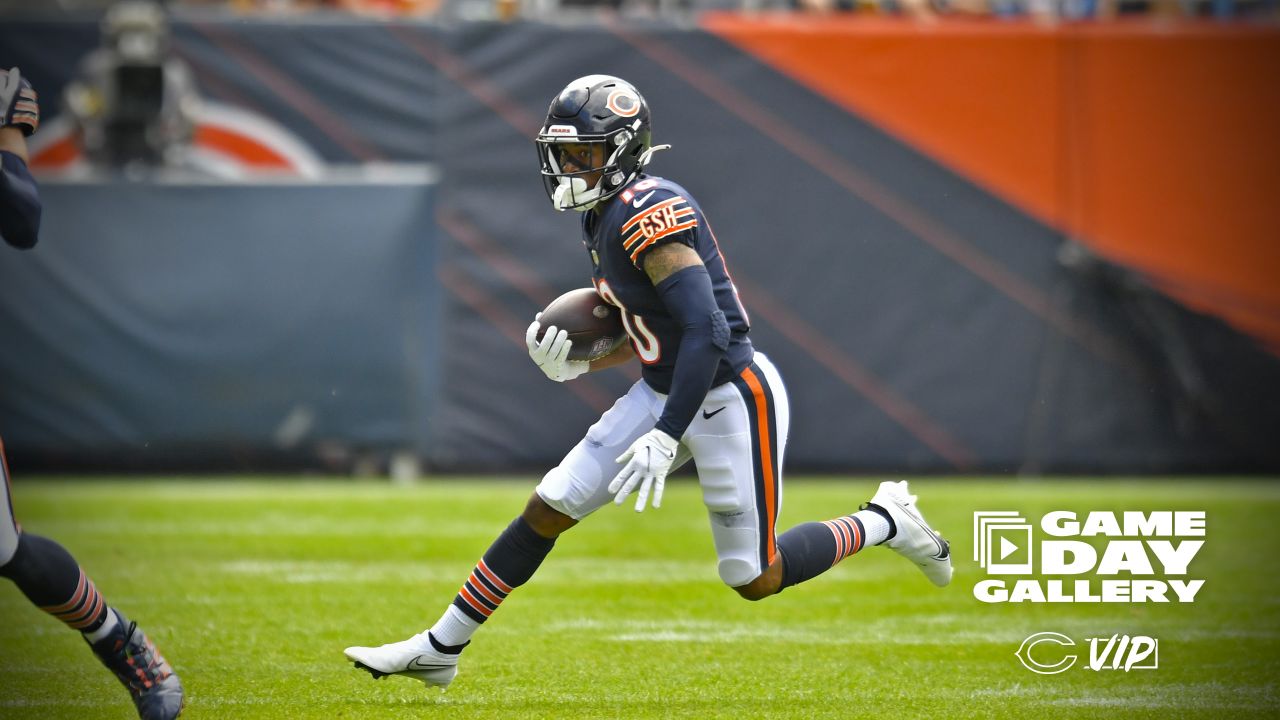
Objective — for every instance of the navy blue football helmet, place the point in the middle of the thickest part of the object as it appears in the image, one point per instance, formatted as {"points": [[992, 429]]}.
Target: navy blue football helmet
{"points": [[594, 110]]}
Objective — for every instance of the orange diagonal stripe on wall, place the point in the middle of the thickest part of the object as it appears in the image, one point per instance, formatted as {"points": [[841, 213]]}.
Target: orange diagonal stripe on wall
{"points": [[1153, 143]]}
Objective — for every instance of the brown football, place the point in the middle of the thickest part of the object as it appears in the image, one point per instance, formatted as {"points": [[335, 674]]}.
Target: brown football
{"points": [[594, 326]]}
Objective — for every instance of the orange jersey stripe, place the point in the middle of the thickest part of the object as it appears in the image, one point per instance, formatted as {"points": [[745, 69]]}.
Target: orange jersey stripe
{"points": [[671, 230], [656, 208], [639, 233], [766, 458]]}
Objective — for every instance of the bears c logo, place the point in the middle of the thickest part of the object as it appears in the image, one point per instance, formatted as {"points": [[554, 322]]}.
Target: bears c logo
{"points": [[623, 103]]}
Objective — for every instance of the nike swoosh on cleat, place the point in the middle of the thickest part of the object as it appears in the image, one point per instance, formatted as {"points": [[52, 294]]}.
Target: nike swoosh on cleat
{"points": [[414, 664], [707, 416], [640, 201], [943, 546]]}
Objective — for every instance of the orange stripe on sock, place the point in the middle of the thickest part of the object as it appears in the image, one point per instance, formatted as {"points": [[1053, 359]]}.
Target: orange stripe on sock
{"points": [[479, 586], [857, 536], [473, 602], [494, 578], [854, 544], [77, 598], [95, 607], [840, 541], [766, 459], [855, 540]]}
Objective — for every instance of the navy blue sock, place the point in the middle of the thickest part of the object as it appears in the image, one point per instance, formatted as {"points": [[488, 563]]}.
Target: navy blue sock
{"points": [[508, 563], [51, 579], [812, 548]]}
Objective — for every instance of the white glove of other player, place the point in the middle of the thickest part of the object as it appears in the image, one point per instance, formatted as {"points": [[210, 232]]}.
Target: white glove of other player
{"points": [[18, 103], [648, 461], [552, 354]]}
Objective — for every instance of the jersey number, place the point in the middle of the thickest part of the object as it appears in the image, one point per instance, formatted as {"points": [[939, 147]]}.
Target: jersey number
{"points": [[642, 338]]}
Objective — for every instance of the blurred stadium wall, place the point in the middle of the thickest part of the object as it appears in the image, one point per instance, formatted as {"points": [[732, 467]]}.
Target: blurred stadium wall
{"points": [[995, 247]]}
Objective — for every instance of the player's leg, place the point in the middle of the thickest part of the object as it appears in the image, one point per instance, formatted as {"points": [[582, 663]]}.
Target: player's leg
{"points": [[739, 454], [572, 490], [889, 518], [54, 582], [738, 441]]}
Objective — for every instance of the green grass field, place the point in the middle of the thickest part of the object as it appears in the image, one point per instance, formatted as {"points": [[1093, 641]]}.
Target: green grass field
{"points": [[253, 587]]}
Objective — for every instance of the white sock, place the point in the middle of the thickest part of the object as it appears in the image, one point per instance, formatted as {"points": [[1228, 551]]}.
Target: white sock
{"points": [[107, 626], [454, 627], [876, 526]]}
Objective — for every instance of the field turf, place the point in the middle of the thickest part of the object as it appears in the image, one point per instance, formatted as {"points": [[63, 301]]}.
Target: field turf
{"points": [[252, 588]]}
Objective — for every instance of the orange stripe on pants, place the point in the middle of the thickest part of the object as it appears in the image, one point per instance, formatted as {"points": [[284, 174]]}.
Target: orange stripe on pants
{"points": [[766, 459]]}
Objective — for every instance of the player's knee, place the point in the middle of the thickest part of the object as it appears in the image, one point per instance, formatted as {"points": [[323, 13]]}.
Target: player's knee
{"points": [[760, 585], [758, 589], [544, 519], [737, 573]]}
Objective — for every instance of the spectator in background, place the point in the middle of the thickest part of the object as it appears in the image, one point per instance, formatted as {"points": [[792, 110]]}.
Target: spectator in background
{"points": [[133, 103]]}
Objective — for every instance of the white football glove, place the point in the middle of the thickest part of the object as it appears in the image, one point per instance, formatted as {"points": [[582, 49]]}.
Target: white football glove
{"points": [[552, 354], [648, 461]]}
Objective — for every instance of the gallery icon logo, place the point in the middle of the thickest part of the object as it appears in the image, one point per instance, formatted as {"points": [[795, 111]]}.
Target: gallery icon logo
{"points": [[1139, 556], [1002, 542], [1036, 662]]}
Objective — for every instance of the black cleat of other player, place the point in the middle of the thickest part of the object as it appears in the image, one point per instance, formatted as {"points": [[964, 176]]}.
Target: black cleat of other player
{"points": [[130, 654]]}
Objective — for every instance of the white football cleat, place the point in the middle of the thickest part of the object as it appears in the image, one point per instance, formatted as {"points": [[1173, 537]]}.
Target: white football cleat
{"points": [[414, 658], [914, 539]]}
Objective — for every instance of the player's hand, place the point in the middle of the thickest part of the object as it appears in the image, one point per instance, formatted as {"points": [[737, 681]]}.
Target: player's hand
{"points": [[18, 104], [648, 461], [552, 354]]}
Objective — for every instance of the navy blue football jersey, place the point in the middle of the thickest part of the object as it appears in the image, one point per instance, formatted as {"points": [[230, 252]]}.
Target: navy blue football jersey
{"points": [[648, 213]]}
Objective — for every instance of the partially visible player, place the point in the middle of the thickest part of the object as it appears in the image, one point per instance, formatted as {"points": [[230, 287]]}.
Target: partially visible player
{"points": [[705, 393], [42, 569]]}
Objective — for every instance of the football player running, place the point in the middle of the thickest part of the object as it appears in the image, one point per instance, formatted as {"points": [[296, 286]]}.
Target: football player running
{"points": [[705, 394], [42, 569]]}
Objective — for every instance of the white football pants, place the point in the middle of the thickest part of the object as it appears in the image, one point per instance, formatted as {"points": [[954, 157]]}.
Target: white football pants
{"points": [[736, 440], [8, 525]]}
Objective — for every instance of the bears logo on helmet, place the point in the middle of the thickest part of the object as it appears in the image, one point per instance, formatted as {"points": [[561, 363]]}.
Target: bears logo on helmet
{"points": [[622, 102]]}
